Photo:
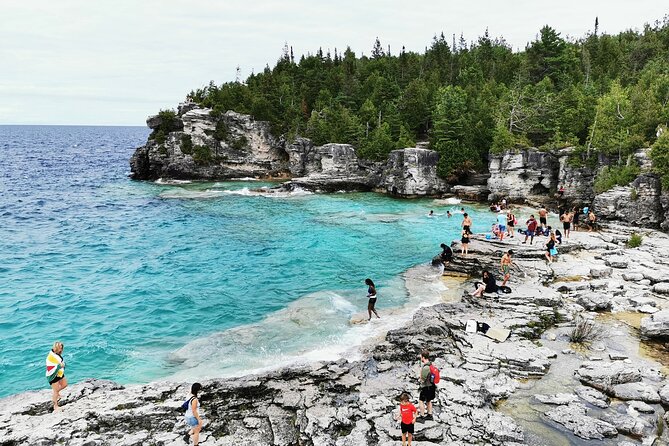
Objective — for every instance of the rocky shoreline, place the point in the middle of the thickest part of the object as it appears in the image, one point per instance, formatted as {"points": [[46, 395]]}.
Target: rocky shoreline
{"points": [[613, 399], [197, 144]]}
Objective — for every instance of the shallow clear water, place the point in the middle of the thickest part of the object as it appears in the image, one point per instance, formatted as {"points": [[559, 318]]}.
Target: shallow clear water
{"points": [[144, 281]]}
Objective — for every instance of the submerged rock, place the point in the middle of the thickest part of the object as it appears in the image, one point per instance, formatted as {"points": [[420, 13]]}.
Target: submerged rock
{"points": [[574, 418]]}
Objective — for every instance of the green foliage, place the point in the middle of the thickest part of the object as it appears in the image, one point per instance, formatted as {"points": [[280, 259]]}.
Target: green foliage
{"points": [[607, 93], [168, 123], [186, 144], [239, 143], [635, 240], [612, 176], [659, 154], [222, 132], [202, 154]]}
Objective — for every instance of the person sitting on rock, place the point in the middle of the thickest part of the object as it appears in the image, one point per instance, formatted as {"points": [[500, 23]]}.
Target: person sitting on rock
{"points": [[446, 254], [488, 286]]}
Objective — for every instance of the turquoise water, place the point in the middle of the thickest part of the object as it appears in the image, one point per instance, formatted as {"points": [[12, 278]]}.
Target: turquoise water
{"points": [[143, 281]]}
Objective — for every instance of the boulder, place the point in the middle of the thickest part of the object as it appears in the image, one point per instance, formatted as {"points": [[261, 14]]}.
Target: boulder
{"points": [[661, 288], [603, 375], [558, 399], [633, 277], [617, 262], [594, 397], [656, 325], [626, 424], [599, 272], [664, 395], [635, 391], [594, 301]]}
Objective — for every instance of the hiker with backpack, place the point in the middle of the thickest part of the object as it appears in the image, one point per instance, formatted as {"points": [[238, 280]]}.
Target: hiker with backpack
{"points": [[428, 378], [193, 419]]}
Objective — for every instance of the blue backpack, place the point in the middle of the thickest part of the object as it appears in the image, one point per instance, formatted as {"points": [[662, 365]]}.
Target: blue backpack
{"points": [[184, 406]]}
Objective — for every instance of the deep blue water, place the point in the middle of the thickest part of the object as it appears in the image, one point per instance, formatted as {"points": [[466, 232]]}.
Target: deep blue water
{"points": [[143, 281]]}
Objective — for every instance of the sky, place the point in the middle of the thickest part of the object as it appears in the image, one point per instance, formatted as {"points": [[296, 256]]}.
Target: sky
{"points": [[104, 62]]}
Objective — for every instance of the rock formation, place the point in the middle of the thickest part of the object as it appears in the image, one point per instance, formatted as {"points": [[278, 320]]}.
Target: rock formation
{"points": [[413, 172]]}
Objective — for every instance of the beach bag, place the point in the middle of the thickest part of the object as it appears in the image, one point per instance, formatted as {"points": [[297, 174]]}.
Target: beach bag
{"points": [[505, 289], [434, 375], [553, 251], [515, 221], [184, 406]]}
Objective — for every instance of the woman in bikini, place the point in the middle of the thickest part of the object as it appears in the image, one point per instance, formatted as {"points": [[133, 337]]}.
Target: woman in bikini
{"points": [[371, 294]]}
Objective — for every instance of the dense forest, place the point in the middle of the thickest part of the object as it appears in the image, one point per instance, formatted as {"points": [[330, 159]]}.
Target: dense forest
{"points": [[603, 94]]}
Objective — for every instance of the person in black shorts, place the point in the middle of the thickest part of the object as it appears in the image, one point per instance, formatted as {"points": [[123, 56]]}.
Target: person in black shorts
{"points": [[407, 418], [371, 294], [426, 387]]}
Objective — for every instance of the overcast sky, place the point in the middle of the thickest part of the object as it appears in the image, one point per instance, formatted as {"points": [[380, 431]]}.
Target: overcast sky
{"points": [[115, 62]]}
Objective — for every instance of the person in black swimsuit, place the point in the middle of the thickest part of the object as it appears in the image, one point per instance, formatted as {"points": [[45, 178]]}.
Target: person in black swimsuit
{"points": [[371, 293], [464, 241]]}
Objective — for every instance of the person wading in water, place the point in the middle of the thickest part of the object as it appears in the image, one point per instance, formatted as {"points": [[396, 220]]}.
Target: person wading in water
{"points": [[371, 294]]}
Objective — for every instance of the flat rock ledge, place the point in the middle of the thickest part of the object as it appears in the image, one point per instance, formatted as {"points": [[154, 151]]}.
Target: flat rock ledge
{"points": [[347, 403]]}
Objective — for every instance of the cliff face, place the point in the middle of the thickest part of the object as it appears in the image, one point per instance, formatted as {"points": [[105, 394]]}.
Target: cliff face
{"points": [[413, 172], [198, 145], [528, 174], [639, 204]]}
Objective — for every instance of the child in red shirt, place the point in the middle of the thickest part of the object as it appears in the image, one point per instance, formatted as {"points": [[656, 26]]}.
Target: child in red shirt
{"points": [[407, 417]]}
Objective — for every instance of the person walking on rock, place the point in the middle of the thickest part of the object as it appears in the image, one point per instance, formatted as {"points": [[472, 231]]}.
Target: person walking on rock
{"points": [[505, 265], [427, 388], [407, 418], [371, 294], [55, 372], [510, 223], [193, 416], [566, 222]]}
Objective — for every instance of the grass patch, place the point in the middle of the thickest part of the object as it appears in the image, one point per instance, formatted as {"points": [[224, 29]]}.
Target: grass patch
{"points": [[635, 240], [586, 332]]}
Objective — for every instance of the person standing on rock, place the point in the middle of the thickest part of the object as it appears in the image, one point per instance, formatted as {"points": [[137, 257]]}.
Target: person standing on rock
{"points": [[464, 241], [592, 219], [543, 217], [506, 264], [575, 214], [551, 248], [427, 388], [566, 222], [55, 372], [467, 223], [193, 416], [371, 294], [531, 229], [510, 223], [407, 418], [501, 223]]}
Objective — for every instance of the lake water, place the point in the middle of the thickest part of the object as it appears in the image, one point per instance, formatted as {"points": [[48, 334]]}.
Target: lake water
{"points": [[146, 281]]}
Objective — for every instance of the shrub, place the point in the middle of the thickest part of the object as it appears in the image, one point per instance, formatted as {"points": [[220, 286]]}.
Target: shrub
{"points": [[659, 154], [612, 176], [222, 132], [586, 332], [202, 154], [168, 123], [186, 144], [239, 143], [635, 240]]}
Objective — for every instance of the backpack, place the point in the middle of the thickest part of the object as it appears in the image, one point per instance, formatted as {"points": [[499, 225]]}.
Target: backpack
{"points": [[434, 375], [184, 406]]}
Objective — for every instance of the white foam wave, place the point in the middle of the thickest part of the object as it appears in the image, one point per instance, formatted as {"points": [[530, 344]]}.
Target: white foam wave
{"points": [[321, 326], [445, 201], [170, 181], [180, 193], [267, 192]]}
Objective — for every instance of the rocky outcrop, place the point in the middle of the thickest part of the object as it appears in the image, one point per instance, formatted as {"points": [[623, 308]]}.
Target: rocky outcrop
{"points": [[413, 172], [330, 168], [197, 144], [638, 204], [521, 175]]}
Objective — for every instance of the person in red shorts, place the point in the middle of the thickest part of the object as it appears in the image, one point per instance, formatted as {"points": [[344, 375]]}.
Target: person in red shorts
{"points": [[407, 418]]}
